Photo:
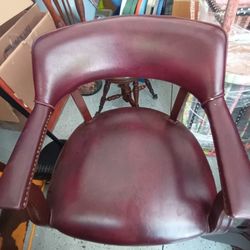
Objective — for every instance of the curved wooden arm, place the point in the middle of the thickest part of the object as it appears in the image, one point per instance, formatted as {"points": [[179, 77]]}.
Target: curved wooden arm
{"points": [[16, 180], [232, 160]]}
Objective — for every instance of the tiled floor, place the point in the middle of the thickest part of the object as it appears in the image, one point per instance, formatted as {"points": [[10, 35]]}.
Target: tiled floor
{"points": [[46, 238], [51, 239]]}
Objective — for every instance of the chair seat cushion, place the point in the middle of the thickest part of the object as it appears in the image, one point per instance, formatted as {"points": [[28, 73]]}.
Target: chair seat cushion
{"points": [[131, 176]]}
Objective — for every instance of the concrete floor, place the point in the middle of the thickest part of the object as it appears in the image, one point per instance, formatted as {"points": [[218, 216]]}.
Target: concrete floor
{"points": [[70, 118]]}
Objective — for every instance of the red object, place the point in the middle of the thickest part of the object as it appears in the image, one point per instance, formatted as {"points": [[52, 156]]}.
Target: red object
{"points": [[230, 14], [132, 175], [138, 6]]}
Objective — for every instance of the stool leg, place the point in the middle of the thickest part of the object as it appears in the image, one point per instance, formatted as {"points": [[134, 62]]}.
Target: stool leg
{"points": [[136, 93], [104, 95], [126, 94], [149, 86]]}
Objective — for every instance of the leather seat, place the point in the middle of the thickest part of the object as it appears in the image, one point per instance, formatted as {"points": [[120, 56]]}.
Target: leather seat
{"points": [[152, 182]]}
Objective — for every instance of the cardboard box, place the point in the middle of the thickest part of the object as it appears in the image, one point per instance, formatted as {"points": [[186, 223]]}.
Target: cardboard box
{"points": [[19, 32], [16, 70], [6, 112], [11, 12], [181, 8]]}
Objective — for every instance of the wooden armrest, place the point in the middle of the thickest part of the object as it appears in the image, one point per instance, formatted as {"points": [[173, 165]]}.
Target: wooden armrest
{"points": [[232, 160], [16, 180]]}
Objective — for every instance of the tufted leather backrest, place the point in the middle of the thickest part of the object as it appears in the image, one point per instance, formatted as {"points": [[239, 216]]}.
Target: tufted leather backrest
{"points": [[190, 54]]}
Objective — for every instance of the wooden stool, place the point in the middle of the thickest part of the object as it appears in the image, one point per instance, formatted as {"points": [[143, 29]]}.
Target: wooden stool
{"points": [[126, 91]]}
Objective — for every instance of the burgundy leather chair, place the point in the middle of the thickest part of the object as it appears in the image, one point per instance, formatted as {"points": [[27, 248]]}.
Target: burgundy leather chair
{"points": [[132, 176]]}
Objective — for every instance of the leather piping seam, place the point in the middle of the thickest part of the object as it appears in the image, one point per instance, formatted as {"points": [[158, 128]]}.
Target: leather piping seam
{"points": [[45, 104], [203, 104], [25, 200]]}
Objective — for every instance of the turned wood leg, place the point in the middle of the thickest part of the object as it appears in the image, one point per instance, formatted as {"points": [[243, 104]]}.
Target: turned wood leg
{"points": [[151, 90], [126, 94], [136, 93], [104, 95]]}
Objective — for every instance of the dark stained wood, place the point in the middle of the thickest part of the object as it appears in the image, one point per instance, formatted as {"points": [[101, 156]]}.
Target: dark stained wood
{"points": [[81, 105], [66, 15], [126, 92], [150, 88], [37, 208], [113, 97], [104, 95], [70, 12], [180, 99], [136, 93], [80, 9], [57, 112], [59, 20]]}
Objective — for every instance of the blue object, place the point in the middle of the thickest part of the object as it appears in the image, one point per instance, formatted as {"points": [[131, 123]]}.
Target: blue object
{"points": [[143, 7], [117, 3], [159, 7]]}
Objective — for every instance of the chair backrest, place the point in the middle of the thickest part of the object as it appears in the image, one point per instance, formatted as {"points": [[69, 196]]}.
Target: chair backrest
{"points": [[188, 53], [63, 13]]}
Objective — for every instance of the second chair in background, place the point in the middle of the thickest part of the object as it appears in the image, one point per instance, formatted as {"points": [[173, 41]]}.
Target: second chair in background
{"points": [[64, 14], [126, 91]]}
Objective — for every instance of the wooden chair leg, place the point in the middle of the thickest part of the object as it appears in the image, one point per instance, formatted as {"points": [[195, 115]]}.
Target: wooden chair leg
{"points": [[126, 94], [150, 88], [136, 93], [180, 99], [81, 105], [104, 95], [38, 208]]}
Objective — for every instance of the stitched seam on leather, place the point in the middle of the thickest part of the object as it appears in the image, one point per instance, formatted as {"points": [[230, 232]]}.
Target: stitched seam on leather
{"points": [[203, 104], [25, 202], [45, 104]]}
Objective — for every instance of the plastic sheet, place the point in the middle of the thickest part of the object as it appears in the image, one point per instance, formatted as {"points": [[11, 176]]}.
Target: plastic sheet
{"points": [[213, 11], [238, 101], [237, 87]]}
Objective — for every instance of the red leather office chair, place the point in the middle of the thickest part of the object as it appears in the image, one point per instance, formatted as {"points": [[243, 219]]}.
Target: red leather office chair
{"points": [[132, 176]]}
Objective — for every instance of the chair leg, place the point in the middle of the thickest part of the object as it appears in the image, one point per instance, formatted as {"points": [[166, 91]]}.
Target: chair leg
{"points": [[136, 93], [151, 90], [38, 208], [104, 95], [126, 94]]}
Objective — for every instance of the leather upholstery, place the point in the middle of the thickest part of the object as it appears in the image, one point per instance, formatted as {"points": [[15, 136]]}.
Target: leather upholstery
{"points": [[15, 183], [232, 160], [132, 176], [187, 53], [157, 47]]}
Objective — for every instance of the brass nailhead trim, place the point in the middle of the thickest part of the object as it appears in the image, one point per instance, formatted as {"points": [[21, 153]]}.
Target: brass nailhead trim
{"points": [[36, 159]]}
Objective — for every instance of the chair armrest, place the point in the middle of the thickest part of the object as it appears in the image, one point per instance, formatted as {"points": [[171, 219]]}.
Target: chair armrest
{"points": [[232, 160], [17, 176]]}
